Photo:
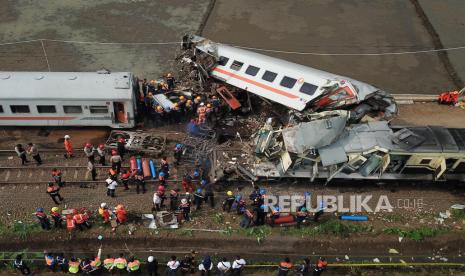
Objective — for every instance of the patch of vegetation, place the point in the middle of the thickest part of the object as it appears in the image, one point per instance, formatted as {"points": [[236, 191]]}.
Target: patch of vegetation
{"points": [[219, 218], [394, 218], [417, 234], [24, 230], [259, 232], [187, 232], [458, 214]]}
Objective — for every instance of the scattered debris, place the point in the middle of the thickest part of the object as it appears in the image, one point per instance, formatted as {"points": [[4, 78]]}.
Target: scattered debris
{"points": [[393, 251]]}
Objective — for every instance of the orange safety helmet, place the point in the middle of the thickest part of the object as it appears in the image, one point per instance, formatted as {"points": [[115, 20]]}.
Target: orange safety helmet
{"points": [[169, 75], [209, 105], [198, 98], [181, 97], [159, 108], [176, 104], [120, 206]]}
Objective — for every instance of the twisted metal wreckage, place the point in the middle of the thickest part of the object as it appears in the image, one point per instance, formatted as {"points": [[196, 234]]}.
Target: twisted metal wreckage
{"points": [[336, 127]]}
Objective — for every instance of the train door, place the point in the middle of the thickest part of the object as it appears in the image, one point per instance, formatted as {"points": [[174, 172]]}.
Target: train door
{"points": [[120, 113]]}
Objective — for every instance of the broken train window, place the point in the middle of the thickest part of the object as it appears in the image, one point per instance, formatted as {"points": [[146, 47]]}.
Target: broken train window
{"points": [[236, 65]]}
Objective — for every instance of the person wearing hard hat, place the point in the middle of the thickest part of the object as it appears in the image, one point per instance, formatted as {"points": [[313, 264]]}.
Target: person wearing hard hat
{"points": [[104, 213], [120, 264], [56, 216], [159, 115], [42, 218], [54, 192], [133, 266], [111, 186], [116, 160], [121, 214], [89, 152], [152, 266], [101, 154], [202, 113], [68, 147], [228, 202], [121, 147], [170, 81], [56, 175], [185, 207]]}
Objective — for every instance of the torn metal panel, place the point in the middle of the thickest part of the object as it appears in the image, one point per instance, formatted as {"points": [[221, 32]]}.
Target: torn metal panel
{"points": [[332, 155], [314, 134]]}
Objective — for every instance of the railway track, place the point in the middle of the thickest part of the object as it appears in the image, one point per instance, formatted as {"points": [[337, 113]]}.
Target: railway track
{"points": [[74, 170]]}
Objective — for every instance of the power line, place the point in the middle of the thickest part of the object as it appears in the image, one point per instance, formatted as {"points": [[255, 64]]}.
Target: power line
{"points": [[244, 47]]}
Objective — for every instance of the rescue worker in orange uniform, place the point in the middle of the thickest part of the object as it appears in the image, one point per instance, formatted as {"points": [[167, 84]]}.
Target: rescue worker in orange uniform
{"points": [[133, 266], [96, 263], [120, 264], [70, 225], [103, 211], [321, 265], [54, 193], [125, 177], [50, 262], [56, 175], [56, 216], [121, 214], [108, 263], [68, 147], [284, 267], [202, 113], [80, 220]]}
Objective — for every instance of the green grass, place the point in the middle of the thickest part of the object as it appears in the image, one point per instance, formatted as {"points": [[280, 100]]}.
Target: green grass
{"points": [[458, 214], [417, 234], [24, 230], [219, 218], [259, 232]]}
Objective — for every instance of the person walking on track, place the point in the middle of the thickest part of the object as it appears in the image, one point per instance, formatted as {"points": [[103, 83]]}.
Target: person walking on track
{"points": [[68, 147], [34, 152], [21, 154], [54, 193]]}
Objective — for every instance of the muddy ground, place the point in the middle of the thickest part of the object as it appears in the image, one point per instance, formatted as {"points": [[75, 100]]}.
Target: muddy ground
{"points": [[339, 27], [312, 26], [100, 21]]}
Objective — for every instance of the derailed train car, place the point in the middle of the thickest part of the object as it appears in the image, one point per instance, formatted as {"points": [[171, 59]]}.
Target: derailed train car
{"points": [[328, 148], [295, 86]]}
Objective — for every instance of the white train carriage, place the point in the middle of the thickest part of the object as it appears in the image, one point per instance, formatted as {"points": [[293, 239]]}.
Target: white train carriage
{"points": [[67, 99], [293, 85]]}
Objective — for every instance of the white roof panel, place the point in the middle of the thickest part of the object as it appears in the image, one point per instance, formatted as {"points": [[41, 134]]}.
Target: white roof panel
{"points": [[66, 85]]}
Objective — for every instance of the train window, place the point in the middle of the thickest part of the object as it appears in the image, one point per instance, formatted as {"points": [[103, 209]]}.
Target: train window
{"points": [[252, 70], [46, 109], [236, 65], [308, 88], [1, 109], [223, 61], [269, 76], [19, 108], [425, 161], [288, 82], [98, 109], [72, 109]]}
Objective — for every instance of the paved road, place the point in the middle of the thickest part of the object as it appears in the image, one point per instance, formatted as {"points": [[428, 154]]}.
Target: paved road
{"points": [[341, 26]]}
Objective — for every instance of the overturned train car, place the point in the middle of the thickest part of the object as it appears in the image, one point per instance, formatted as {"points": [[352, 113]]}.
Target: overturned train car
{"points": [[295, 86], [327, 148]]}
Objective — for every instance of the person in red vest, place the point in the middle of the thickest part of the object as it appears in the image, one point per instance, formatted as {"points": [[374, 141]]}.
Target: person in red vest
{"points": [[133, 266], [284, 267], [70, 225], [321, 265], [56, 216], [42, 217], [80, 220], [125, 177], [187, 184], [54, 193], [56, 175], [68, 147], [121, 214]]}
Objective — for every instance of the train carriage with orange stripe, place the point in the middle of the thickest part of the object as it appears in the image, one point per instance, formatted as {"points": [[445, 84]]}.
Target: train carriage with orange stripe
{"points": [[296, 86], [67, 99]]}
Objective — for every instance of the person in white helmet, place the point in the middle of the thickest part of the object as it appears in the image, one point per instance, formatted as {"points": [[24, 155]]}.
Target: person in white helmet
{"points": [[152, 266], [202, 112], [68, 147]]}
